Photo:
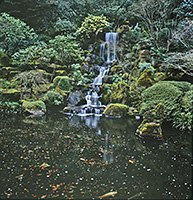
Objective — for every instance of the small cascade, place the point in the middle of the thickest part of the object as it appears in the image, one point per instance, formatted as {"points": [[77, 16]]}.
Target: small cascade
{"points": [[108, 55]]}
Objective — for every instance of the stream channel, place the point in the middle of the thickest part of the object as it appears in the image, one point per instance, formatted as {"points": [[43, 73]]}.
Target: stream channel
{"points": [[84, 157]]}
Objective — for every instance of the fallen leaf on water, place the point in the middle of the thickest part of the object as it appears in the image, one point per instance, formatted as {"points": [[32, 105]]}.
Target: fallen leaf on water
{"points": [[131, 161], [42, 197], [55, 188], [44, 165], [108, 194]]}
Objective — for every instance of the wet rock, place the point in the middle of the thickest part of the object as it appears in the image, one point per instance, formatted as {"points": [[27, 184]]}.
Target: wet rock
{"points": [[85, 67], [116, 109], [151, 124], [36, 108], [76, 98], [107, 79]]}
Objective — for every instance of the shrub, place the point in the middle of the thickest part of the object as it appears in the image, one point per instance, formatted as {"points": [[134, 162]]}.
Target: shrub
{"points": [[68, 49], [177, 106], [92, 25], [53, 98], [34, 55], [15, 34], [62, 82]]}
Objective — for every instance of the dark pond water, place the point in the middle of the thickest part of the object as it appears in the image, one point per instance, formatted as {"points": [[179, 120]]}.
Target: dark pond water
{"points": [[60, 156]]}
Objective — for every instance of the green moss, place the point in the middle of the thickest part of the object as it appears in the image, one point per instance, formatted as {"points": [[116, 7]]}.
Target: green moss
{"points": [[116, 109], [119, 92], [61, 73], [34, 105], [62, 82], [4, 60], [145, 79], [161, 92], [149, 129], [11, 94]]}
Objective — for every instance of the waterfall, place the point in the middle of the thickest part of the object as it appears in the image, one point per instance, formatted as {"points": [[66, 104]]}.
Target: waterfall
{"points": [[110, 44], [108, 55]]}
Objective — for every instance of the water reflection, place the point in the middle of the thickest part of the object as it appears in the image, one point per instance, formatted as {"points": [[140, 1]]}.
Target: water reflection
{"points": [[85, 157]]}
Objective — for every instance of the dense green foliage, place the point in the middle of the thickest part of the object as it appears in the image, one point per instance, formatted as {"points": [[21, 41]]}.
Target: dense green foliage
{"points": [[15, 34]]}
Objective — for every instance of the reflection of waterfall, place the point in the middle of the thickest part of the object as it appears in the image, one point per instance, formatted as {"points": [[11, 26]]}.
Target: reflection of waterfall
{"points": [[108, 151]]}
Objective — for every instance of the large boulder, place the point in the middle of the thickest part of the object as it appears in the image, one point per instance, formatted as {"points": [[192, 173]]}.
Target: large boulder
{"points": [[76, 98], [145, 79], [151, 124], [37, 108], [116, 110]]}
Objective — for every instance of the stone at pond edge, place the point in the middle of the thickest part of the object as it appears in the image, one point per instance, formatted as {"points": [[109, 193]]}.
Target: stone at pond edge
{"points": [[76, 98], [35, 107], [116, 109], [151, 124]]}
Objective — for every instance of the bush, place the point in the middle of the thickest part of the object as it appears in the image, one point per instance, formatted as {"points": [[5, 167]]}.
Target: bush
{"points": [[15, 34], [177, 106], [34, 55], [53, 98], [92, 25], [68, 49]]}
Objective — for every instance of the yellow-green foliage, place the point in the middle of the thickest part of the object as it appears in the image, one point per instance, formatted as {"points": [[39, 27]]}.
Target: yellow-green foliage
{"points": [[93, 24], [145, 79], [120, 91], [62, 82], [116, 109], [34, 105]]}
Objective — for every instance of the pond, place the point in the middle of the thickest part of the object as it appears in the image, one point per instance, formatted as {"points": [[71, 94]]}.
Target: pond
{"points": [[76, 157]]}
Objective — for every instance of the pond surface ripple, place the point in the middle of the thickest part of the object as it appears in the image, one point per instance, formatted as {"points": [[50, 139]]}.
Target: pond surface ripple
{"points": [[59, 156]]}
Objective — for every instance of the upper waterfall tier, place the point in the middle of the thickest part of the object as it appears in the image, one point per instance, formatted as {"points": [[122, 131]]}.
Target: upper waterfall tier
{"points": [[108, 49]]}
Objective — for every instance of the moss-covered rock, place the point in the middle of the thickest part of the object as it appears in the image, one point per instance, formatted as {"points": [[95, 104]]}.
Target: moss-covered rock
{"points": [[116, 109], [62, 82], [4, 60], [151, 124], [159, 76], [119, 93], [34, 106], [11, 94], [145, 79]]}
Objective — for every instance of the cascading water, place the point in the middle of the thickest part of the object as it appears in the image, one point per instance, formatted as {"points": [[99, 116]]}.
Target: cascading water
{"points": [[107, 54]]}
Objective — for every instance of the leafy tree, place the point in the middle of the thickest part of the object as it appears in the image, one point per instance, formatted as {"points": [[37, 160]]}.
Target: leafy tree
{"points": [[15, 34]]}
